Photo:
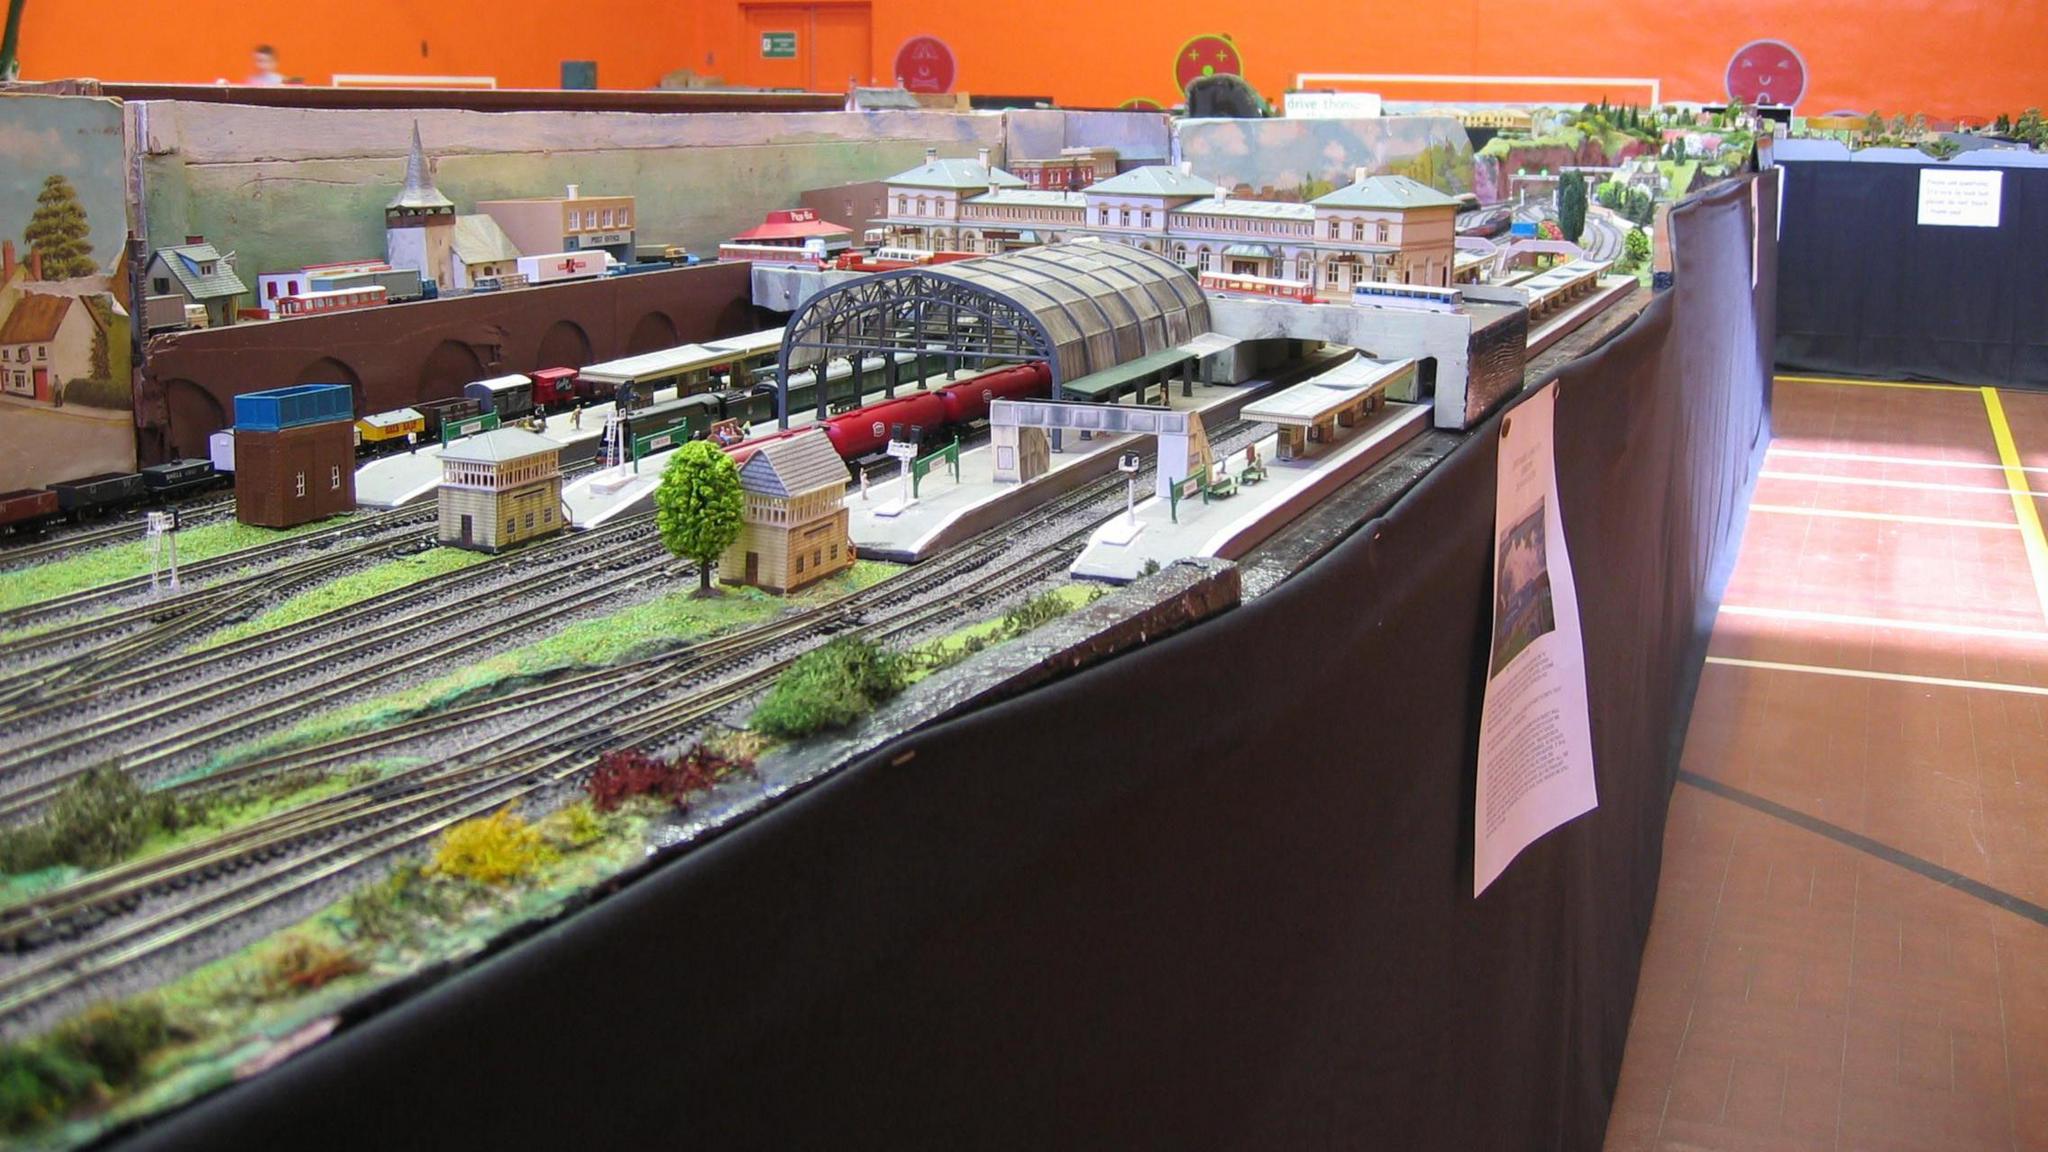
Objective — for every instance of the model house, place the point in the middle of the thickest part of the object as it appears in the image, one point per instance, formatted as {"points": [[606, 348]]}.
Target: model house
{"points": [[795, 530], [198, 273], [500, 488], [44, 341], [482, 252], [1378, 228], [568, 223]]}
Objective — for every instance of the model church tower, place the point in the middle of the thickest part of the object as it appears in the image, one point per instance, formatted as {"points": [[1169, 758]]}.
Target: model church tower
{"points": [[419, 223]]}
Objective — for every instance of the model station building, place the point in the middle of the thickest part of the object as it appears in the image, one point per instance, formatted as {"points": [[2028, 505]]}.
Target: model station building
{"points": [[795, 525], [500, 488], [1378, 228]]}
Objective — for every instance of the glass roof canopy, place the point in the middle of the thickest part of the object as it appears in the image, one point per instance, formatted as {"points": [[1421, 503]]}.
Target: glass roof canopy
{"points": [[1082, 307]]}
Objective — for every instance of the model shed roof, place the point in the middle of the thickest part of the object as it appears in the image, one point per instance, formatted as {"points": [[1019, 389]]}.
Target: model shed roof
{"points": [[938, 173], [480, 240], [1154, 180], [1087, 306], [185, 260], [35, 319], [792, 467], [499, 446], [1386, 192]]}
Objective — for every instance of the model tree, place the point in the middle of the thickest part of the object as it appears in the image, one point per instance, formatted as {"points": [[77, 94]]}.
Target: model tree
{"points": [[1635, 248], [57, 232], [1571, 206], [698, 506]]}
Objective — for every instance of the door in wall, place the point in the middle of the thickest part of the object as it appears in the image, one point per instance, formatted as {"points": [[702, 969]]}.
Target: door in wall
{"points": [[815, 47]]}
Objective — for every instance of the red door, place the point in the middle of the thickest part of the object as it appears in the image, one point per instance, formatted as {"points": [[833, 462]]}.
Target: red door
{"points": [[43, 384]]}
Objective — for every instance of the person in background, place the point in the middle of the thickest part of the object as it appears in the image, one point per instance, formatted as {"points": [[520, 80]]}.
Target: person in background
{"points": [[264, 58]]}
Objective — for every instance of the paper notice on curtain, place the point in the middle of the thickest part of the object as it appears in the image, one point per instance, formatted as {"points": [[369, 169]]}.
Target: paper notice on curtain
{"points": [[1535, 744]]}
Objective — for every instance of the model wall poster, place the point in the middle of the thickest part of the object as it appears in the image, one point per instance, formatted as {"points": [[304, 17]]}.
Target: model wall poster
{"points": [[1205, 56], [1535, 740], [1961, 198], [65, 389]]}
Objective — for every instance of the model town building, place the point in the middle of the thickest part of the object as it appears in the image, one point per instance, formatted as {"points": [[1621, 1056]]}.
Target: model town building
{"points": [[419, 222], [544, 225], [1378, 228], [500, 488], [795, 523], [198, 273], [1072, 170], [484, 252], [40, 337]]}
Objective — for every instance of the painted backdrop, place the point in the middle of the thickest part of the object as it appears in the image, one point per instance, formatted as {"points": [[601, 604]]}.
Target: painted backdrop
{"points": [[65, 381]]}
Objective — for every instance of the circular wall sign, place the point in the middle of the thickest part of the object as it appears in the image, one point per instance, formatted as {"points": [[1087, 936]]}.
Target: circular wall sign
{"points": [[1766, 72], [925, 64], [1205, 56], [1142, 104]]}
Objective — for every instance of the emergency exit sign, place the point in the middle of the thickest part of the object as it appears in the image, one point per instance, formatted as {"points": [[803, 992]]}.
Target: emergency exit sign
{"points": [[778, 45]]}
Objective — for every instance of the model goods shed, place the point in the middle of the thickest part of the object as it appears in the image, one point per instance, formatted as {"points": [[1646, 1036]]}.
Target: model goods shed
{"points": [[1082, 308]]}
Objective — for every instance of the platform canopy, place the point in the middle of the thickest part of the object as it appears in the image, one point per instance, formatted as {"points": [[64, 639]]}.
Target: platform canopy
{"points": [[1082, 307]]}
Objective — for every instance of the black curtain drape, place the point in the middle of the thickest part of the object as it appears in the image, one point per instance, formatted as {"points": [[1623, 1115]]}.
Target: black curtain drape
{"points": [[1865, 290], [1213, 894]]}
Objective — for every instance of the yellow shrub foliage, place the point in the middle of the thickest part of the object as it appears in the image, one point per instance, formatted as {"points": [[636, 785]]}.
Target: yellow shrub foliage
{"points": [[491, 849]]}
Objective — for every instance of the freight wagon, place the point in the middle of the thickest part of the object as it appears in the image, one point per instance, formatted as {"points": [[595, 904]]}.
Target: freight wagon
{"points": [[98, 495], [508, 397]]}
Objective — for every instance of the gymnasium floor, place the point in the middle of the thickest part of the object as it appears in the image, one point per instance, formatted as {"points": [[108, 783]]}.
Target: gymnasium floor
{"points": [[1850, 947]]}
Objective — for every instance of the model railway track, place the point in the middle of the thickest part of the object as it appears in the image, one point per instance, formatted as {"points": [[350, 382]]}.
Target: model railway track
{"points": [[320, 686], [21, 556], [368, 823], [397, 518], [247, 870]]}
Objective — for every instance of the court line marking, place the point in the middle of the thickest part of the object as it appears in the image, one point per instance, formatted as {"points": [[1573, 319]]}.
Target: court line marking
{"points": [[1870, 458], [1815, 617], [1887, 517], [1920, 865], [1888, 677], [2022, 502], [1909, 384], [1921, 485]]}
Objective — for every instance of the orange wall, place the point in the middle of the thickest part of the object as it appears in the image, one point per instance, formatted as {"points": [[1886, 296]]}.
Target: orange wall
{"points": [[1943, 59], [519, 42], [1895, 55]]}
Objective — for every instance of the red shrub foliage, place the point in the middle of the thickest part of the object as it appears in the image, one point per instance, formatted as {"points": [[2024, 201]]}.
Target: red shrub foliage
{"points": [[631, 772]]}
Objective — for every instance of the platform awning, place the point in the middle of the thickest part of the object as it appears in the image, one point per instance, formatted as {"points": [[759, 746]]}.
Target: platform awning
{"points": [[1318, 401], [1109, 382]]}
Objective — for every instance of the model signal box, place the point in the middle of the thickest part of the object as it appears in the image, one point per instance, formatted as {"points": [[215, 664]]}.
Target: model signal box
{"points": [[295, 454]]}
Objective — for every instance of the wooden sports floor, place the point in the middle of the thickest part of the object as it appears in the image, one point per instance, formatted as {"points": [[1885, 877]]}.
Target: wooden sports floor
{"points": [[1850, 946]]}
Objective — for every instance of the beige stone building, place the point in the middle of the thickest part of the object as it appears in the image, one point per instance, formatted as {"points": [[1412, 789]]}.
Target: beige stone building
{"points": [[545, 225], [499, 489], [795, 529]]}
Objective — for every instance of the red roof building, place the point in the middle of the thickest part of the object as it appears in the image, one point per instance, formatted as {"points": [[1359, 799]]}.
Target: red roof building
{"points": [[793, 226]]}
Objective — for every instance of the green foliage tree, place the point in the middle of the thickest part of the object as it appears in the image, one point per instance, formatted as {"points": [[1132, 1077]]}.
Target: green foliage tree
{"points": [[2002, 125], [57, 232], [1898, 125], [1873, 124], [1641, 205], [1635, 248], [1571, 206], [698, 506]]}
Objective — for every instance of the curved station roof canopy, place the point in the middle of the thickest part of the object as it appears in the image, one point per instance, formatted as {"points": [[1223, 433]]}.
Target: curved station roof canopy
{"points": [[1082, 307]]}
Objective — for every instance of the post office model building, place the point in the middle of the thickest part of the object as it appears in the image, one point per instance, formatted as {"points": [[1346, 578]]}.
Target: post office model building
{"points": [[795, 525], [500, 488], [1389, 229]]}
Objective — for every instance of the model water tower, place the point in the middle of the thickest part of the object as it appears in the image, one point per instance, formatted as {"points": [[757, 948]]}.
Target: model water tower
{"points": [[295, 454]]}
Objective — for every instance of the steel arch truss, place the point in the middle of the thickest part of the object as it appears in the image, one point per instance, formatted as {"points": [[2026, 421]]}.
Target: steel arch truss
{"points": [[909, 311]]}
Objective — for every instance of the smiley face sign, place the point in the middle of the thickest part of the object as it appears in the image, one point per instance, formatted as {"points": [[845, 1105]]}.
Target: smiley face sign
{"points": [[1206, 56], [925, 64], [1766, 72]]}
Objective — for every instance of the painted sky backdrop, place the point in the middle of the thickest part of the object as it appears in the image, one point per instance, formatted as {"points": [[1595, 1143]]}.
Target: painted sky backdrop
{"points": [[1299, 159], [76, 136]]}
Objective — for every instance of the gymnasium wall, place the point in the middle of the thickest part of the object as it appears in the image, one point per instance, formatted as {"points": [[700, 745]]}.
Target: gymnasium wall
{"points": [[1894, 55]]}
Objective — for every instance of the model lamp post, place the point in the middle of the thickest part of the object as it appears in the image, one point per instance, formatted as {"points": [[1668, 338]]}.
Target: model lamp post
{"points": [[903, 451], [1126, 530]]}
